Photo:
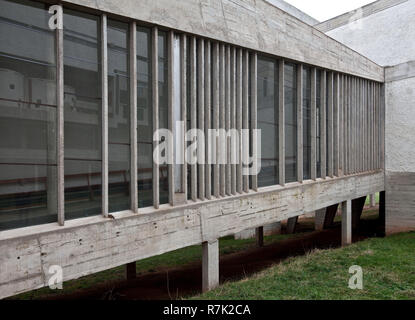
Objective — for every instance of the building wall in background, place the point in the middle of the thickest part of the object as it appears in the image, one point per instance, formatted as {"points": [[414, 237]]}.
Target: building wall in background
{"points": [[384, 32]]}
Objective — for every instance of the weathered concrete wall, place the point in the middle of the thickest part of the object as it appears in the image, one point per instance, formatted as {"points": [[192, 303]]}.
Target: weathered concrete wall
{"points": [[86, 246], [285, 6], [385, 32], [385, 36], [253, 24]]}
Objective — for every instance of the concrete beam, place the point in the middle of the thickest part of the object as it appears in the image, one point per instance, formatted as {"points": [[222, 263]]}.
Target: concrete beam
{"points": [[210, 265], [131, 237]]}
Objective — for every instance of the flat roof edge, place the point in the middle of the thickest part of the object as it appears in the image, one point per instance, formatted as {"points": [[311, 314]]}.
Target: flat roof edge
{"points": [[357, 14]]}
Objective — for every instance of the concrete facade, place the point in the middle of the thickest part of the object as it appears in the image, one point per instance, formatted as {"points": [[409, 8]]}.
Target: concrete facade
{"points": [[389, 24], [237, 31]]}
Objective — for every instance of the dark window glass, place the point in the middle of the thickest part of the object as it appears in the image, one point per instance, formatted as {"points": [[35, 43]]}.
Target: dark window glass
{"points": [[290, 107], [307, 123], [118, 117], [163, 109], [268, 121], [318, 124], [83, 113], [28, 175], [144, 119], [329, 86]]}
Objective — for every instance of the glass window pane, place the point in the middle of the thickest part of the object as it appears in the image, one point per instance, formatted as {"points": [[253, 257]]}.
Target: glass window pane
{"points": [[290, 105], [28, 180], [318, 124], [307, 123], [163, 109], [118, 117], [144, 119], [83, 113], [268, 121]]}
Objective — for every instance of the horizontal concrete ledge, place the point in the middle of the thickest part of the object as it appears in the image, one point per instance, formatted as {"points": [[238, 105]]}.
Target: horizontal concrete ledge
{"points": [[357, 14], [252, 24], [400, 72], [87, 246]]}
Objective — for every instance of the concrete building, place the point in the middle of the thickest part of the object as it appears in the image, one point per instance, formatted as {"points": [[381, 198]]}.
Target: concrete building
{"points": [[389, 24], [85, 85]]}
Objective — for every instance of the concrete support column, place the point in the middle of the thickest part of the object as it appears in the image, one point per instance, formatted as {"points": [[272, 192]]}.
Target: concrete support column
{"points": [[372, 200], [357, 210], [382, 213], [130, 271], [319, 220], [291, 224], [346, 223], [210, 265], [259, 234]]}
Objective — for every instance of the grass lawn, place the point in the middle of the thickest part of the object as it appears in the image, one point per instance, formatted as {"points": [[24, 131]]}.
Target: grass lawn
{"points": [[168, 260], [388, 273]]}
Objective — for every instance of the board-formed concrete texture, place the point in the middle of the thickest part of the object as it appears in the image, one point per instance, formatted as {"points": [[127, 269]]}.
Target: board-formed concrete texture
{"points": [[389, 24], [226, 39], [252, 24], [285, 6], [89, 245]]}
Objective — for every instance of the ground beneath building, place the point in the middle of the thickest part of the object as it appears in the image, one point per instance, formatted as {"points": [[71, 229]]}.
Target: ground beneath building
{"points": [[186, 280]]}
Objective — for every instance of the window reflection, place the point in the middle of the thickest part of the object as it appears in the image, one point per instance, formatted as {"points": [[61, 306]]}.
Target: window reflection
{"points": [[268, 121], [28, 175]]}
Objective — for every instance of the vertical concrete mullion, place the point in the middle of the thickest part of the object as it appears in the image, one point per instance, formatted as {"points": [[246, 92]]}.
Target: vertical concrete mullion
{"points": [[330, 87], [193, 112], [313, 124], [365, 123], [254, 119], [60, 121], [183, 101], [245, 118], [348, 128], [369, 125], [201, 115], [155, 95], [233, 118], [228, 168], [382, 123], [104, 114], [345, 124], [281, 122], [323, 126], [372, 167], [239, 94], [215, 104], [354, 149], [378, 126], [300, 157], [208, 125], [361, 121], [133, 117], [336, 127], [171, 97], [358, 129], [222, 145]]}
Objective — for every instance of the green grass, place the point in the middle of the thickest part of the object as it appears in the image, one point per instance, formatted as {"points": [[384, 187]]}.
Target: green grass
{"points": [[172, 259], [388, 273]]}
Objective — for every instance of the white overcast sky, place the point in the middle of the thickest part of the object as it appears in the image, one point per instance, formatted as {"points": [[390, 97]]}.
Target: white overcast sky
{"points": [[327, 9]]}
